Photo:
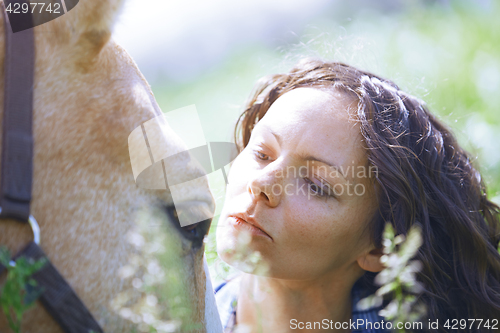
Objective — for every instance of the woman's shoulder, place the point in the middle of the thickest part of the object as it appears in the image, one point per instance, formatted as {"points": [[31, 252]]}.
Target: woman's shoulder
{"points": [[226, 296]]}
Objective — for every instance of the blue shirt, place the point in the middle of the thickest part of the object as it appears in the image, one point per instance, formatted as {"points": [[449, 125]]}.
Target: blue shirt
{"points": [[226, 296]]}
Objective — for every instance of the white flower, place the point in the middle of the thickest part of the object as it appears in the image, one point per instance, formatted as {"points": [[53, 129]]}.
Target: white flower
{"points": [[369, 302], [398, 278], [390, 311]]}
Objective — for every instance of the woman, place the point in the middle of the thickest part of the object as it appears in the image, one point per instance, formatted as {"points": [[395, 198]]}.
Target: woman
{"points": [[328, 155]]}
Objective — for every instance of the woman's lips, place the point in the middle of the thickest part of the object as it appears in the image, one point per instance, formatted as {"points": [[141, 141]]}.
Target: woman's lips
{"points": [[239, 223]]}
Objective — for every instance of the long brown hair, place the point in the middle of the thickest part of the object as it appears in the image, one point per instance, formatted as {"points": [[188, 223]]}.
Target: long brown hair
{"points": [[424, 177]]}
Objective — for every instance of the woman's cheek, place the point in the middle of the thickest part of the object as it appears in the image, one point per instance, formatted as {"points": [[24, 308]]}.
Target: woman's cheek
{"points": [[235, 170], [311, 223]]}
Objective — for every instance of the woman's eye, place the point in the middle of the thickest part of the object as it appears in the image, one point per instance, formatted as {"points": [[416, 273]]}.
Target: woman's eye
{"points": [[261, 156], [322, 191]]}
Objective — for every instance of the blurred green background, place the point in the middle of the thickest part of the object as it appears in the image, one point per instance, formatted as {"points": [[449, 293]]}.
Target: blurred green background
{"points": [[444, 52]]}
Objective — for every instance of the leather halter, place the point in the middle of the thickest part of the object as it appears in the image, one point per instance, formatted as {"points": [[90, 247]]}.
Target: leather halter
{"points": [[58, 298]]}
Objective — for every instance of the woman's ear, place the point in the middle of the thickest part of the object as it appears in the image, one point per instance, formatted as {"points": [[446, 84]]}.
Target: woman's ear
{"points": [[371, 261]]}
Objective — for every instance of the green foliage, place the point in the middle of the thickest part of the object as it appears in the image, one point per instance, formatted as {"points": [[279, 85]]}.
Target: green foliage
{"points": [[156, 296], [19, 292]]}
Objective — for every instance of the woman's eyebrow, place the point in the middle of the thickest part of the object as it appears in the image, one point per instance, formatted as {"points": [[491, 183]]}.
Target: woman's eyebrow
{"points": [[278, 138], [309, 157], [338, 169]]}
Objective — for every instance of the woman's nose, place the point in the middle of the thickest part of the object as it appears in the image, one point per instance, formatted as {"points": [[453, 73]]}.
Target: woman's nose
{"points": [[267, 185]]}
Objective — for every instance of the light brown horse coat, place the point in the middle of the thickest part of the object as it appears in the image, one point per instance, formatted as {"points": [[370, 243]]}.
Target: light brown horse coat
{"points": [[88, 97]]}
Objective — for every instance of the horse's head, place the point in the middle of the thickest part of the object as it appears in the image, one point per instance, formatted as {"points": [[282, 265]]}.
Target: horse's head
{"points": [[88, 98]]}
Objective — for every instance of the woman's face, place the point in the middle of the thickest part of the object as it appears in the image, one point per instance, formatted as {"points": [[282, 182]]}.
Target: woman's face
{"points": [[302, 189]]}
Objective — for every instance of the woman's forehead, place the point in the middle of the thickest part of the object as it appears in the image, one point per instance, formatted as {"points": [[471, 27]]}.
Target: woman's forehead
{"points": [[315, 122], [316, 113], [309, 102]]}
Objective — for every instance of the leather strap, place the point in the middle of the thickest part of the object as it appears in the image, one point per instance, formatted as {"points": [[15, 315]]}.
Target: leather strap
{"points": [[58, 298], [17, 140]]}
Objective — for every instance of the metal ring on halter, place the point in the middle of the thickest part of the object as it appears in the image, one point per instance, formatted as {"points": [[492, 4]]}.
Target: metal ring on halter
{"points": [[34, 227]]}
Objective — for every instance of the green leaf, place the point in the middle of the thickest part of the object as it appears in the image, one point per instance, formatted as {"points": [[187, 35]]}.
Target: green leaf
{"points": [[19, 292]]}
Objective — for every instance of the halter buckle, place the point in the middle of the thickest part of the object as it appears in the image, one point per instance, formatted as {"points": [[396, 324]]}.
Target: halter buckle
{"points": [[34, 227]]}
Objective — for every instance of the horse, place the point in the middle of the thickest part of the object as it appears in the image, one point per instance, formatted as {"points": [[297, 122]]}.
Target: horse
{"points": [[88, 96]]}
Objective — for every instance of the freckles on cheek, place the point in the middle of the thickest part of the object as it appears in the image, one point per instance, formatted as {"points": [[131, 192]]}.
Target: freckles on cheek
{"points": [[310, 226], [326, 225]]}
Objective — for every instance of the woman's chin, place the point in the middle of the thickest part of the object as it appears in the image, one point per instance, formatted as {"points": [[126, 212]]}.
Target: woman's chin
{"points": [[235, 247], [246, 261]]}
